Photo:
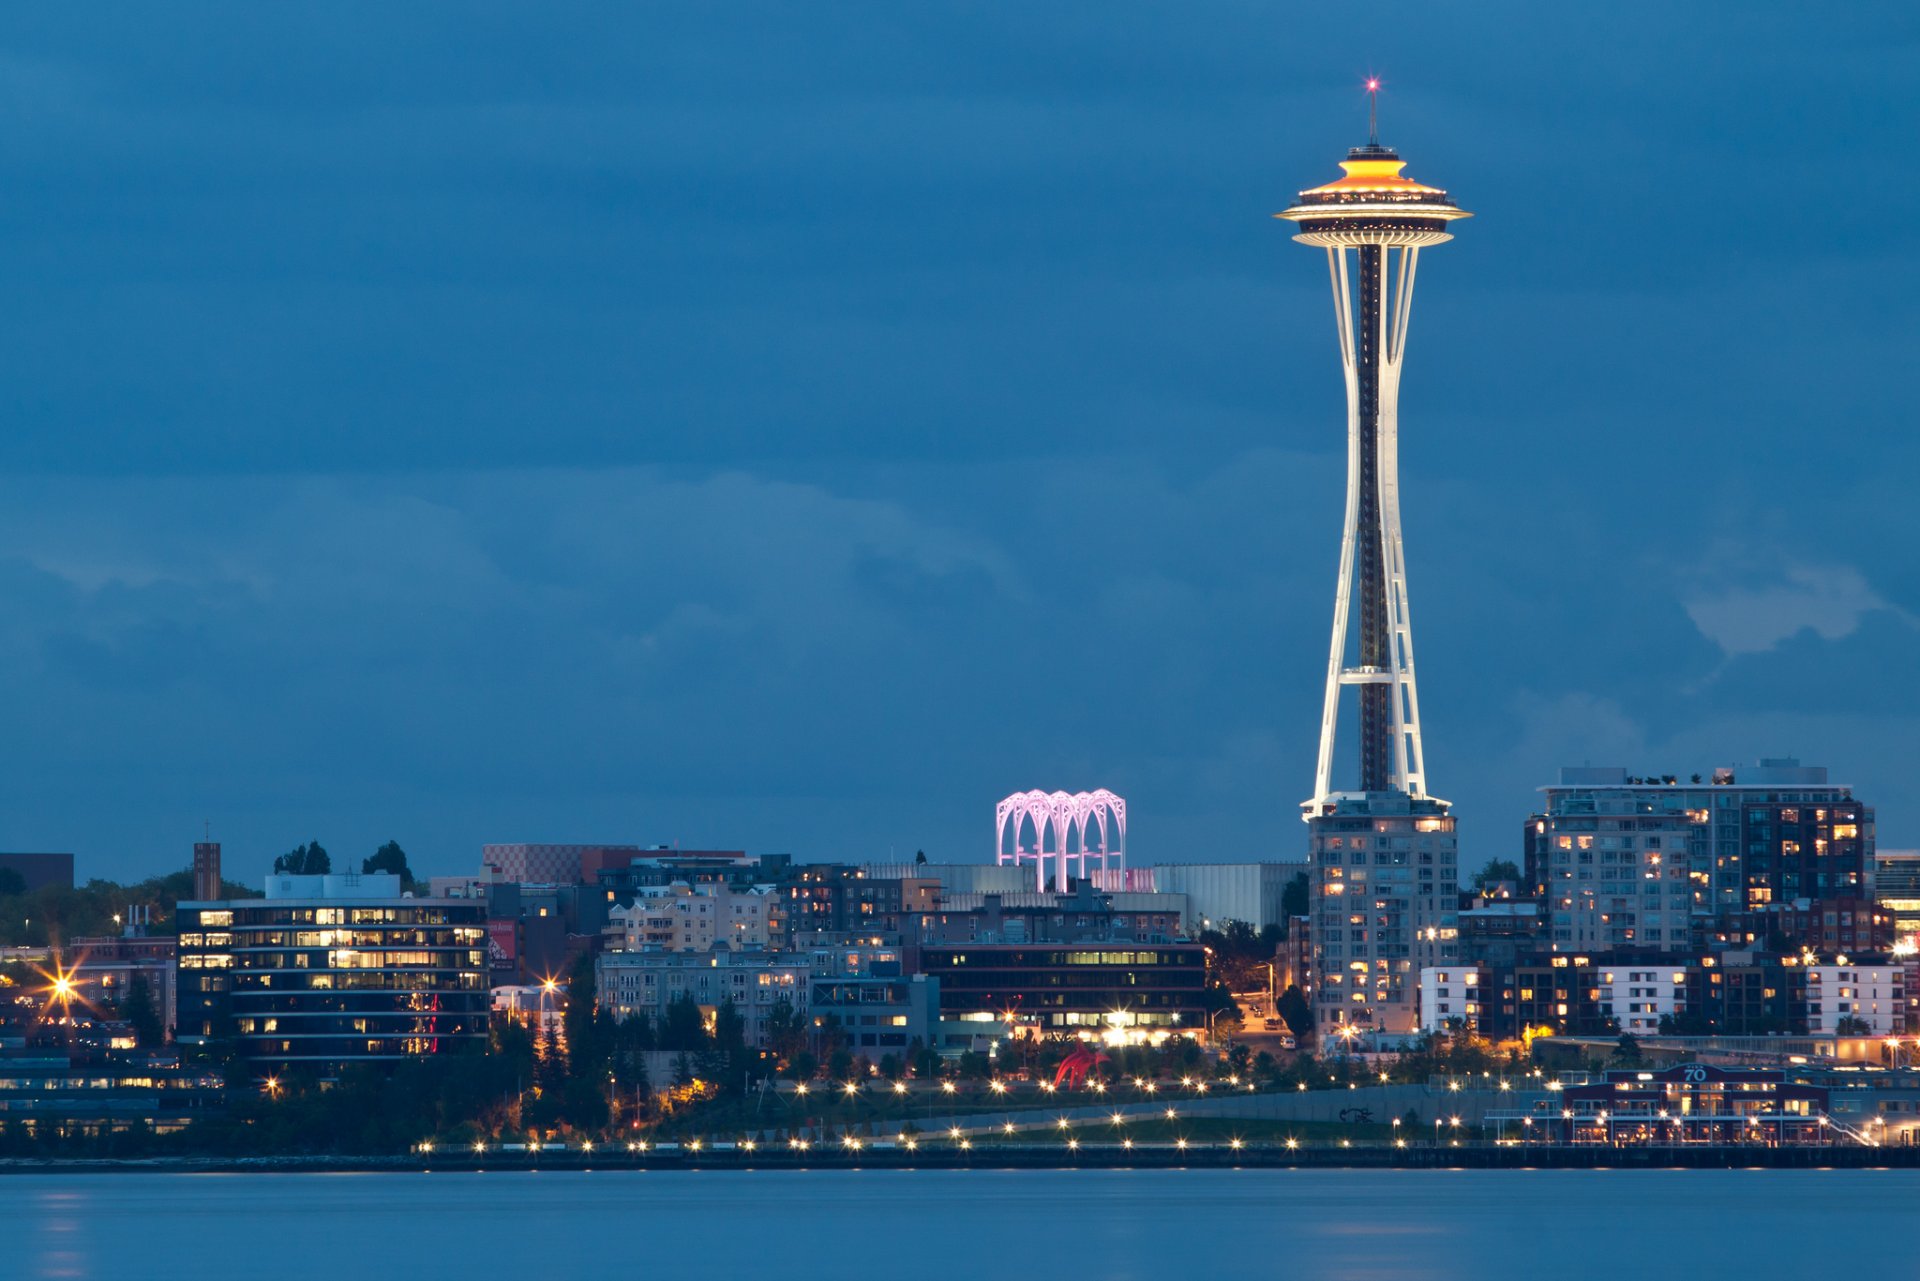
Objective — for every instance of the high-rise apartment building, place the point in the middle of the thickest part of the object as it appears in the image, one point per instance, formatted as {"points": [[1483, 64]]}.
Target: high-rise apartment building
{"points": [[1386, 899], [1656, 862]]}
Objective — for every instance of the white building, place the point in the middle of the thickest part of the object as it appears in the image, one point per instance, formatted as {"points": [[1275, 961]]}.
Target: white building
{"points": [[1873, 994], [1639, 998], [1449, 997], [1221, 892], [689, 918]]}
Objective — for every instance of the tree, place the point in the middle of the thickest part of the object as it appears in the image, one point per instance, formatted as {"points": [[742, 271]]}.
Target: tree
{"points": [[919, 857], [730, 1041], [1496, 870], [304, 860], [1293, 896], [136, 1007], [786, 1030], [1293, 1007], [1627, 1052], [587, 1050], [684, 1028], [1851, 1025], [390, 858]]}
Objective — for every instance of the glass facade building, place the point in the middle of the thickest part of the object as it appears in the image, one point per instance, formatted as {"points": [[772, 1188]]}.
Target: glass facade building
{"points": [[332, 971], [1066, 989]]}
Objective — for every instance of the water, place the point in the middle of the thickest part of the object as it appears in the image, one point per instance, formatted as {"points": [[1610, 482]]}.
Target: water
{"points": [[972, 1224]]}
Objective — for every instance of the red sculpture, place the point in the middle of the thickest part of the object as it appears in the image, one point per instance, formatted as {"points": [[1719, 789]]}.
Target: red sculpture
{"points": [[1077, 1066]]}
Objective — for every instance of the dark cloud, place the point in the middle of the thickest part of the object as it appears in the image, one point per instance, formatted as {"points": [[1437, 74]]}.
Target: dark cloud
{"points": [[795, 428]]}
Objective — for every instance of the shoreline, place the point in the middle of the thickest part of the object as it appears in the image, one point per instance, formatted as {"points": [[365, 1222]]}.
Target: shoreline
{"points": [[1011, 1158]]}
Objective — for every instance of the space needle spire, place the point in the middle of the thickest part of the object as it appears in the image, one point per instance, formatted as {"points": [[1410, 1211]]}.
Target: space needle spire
{"points": [[1373, 222]]}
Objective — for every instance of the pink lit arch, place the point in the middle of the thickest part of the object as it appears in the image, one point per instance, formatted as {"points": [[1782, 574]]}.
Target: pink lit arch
{"points": [[1060, 828]]}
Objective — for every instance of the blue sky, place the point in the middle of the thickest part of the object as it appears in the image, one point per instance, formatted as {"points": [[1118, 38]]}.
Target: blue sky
{"points": [[795, 427]]}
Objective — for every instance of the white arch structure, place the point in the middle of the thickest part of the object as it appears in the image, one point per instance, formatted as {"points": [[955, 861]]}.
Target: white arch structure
{"points": [[1060, 828]]}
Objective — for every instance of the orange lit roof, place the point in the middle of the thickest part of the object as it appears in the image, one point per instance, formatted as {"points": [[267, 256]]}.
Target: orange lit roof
{"points": [[1363, 176]]}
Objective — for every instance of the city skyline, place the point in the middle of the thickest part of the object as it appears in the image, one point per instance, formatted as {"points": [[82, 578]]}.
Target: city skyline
{"points": [[529, 463]]}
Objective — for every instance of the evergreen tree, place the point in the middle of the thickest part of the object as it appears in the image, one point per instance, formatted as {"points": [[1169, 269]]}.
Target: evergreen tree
{"points": [[304, 860], [730, 1045], [137, 1008], [684, 1027], [390, 858]]}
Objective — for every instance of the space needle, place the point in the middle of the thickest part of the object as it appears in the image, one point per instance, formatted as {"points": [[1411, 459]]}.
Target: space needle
{"points": [[1383, 858], [1373, 222]]}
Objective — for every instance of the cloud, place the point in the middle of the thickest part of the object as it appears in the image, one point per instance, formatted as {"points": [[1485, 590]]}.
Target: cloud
{"points": [[1828, 600]]}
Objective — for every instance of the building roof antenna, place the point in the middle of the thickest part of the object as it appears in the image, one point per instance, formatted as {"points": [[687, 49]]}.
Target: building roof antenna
{"points": [[1373, 111]]}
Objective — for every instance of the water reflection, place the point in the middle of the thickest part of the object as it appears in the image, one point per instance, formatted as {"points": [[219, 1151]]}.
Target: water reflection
{"points": [[1303, 1225]]}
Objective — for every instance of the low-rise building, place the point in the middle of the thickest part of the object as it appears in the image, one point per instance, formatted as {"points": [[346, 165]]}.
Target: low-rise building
{"points": [[696, 918], [1139, 992], [646, 983], [1083, 916], [875, 1015], [1856, 999], [1896, 888], [108, 967], [1640, 996], [44, 1087], [1449, 999]]}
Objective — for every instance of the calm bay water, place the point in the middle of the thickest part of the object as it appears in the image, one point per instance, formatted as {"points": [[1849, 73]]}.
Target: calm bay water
{"points": [[934, 1225]]}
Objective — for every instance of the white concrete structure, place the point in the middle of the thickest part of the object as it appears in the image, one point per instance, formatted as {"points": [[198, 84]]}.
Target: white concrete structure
{"points": [[1371, 212], [1639, 997], [1876, 995], [1055, 829], [1449, 998], [334, 885], [1221, 892]]}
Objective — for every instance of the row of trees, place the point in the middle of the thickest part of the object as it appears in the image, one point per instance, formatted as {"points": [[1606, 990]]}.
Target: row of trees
{"points": [[53, 914], [312, 859]]}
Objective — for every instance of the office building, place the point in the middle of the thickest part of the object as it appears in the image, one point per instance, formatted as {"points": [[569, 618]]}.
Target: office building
{"points": [[1139, 993], [1084, 916], [875, 1015], [330, 972], [1896, 889]]}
